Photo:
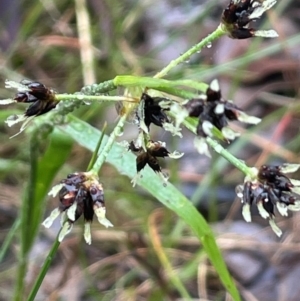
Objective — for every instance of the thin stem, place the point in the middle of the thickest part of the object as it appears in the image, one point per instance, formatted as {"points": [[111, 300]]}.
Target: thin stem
{"points": [[223, 152], [95, 153], [9, 237], [185, 56], [44, 270], [101, 98], [230, 158], [105, 151], [85, 42], [101, 88]]}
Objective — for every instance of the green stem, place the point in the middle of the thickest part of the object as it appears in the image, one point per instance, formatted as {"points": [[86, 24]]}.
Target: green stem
{"points": [[219, 32], [82, 97], [218, 148], [9, 237], [101, 88], [44, 270], [95, 153], [231, 158], [161, 84], [104, 152]]}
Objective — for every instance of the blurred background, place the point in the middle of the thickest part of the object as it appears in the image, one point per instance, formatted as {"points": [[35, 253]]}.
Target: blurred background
{"points": [[68, 44]]}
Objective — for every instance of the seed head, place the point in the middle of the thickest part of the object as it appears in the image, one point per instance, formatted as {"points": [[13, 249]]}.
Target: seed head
{"points": [[271, 188], [41, 99], [79, 194]]}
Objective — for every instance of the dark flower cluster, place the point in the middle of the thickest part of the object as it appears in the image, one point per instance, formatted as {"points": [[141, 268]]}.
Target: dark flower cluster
{"points": [[150, 155], [213, 111], [271, 188], [150, 111], [239, 13], [79, 194], [42, 98], [153, 151]]}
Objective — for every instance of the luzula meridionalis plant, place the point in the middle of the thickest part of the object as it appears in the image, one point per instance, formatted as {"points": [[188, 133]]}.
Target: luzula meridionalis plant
{"points": [[169, 105]]}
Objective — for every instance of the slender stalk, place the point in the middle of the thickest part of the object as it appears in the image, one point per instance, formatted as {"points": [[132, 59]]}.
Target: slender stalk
{"points": [[105, 151], [218, 148], [95, 153], [44, 270], [185, 56], [9, 237], [231, 158], [101, 98], [85, 42], [103, 87]]}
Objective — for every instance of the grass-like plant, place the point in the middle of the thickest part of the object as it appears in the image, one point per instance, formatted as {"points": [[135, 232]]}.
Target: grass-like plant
{"points": [[149, 101]]}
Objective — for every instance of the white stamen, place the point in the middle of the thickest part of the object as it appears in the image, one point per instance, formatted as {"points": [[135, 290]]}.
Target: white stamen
{"points": [[229, 134], [289, 168], [261, 8], [243, 117], [207, 127], [165, 104], [267, 4], [274, 227], [176, 155], [10, 84], [179, 114], [14, 119], [282, 208], [201, 146], [66, 228], [239, 191], [175, 131], [55, 189], [7, 101], [135, 179], [219, 109], [294, 207], [100, 213], [87, 233], [258, 11], [266, 33], [295, 182], [262, 211], [47, 223], [246, 213], [162, 143], [214, 85], [71, 211]]}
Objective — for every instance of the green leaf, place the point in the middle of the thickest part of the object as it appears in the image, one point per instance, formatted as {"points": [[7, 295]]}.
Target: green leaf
{"points": [[171, 197]]}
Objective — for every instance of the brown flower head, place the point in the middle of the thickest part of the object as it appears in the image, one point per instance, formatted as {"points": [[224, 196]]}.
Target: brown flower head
{"points": [[79, 194], [239, 13], [215, 113], [271, 188], [150, 111], [154, 150], [42, 100]]}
